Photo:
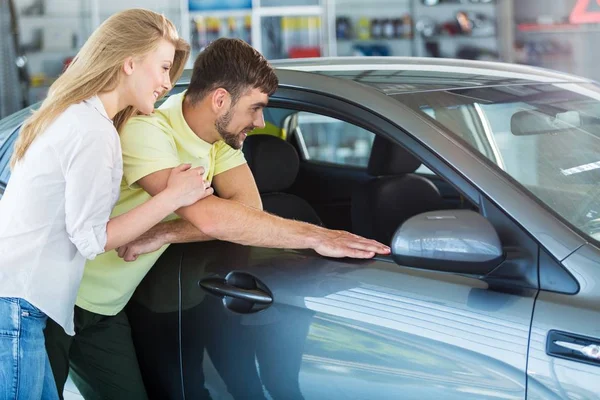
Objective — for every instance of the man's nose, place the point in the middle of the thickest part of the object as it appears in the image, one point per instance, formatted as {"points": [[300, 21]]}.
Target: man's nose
{"points": [[260, 121]]}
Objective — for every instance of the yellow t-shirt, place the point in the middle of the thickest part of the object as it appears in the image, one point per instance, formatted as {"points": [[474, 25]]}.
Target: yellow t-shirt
{"points": [[149, 144]]}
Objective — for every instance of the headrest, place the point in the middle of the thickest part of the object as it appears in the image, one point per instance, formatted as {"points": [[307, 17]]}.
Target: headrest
{"points": [[273, 161], [388, 158]]}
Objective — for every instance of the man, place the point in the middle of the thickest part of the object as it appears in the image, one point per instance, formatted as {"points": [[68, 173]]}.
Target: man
{"points": [[205, 126]]}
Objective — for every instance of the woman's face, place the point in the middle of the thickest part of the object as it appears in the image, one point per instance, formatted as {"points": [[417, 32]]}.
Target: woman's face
{"points": [[150, 77]]}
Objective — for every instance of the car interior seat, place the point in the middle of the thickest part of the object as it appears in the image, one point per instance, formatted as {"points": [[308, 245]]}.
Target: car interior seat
{"points": [[394, 194], [275, 165]]}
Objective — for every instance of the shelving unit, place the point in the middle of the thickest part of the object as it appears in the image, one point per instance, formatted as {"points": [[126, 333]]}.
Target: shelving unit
{"points": [[271, 25], [445, 17], [51, 32], [550, 39], [300, 28], [274, 30], [409, 16], [380, 30], [202, 27]]}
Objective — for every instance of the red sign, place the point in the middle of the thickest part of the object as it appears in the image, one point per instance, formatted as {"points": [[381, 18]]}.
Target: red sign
{"points": [[585, 12]]}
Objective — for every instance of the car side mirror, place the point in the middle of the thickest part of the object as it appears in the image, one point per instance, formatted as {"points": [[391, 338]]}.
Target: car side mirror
{"points": [[459, 241]]}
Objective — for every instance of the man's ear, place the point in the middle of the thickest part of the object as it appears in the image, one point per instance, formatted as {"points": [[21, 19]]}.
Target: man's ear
{"points": [[220, 100], [128, 66]]}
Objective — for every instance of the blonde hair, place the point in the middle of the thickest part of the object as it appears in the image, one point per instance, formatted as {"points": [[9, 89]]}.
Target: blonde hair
{"points": [[96, 68]]}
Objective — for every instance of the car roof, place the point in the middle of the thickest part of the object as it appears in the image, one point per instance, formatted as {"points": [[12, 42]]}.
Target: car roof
{"points": [[398, 75]]}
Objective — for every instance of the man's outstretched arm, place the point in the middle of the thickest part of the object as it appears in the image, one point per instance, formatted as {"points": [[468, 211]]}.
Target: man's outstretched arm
{"points": [[235, 222]]}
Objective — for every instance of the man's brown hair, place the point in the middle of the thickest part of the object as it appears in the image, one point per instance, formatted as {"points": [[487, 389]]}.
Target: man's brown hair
{"points": [[233, 65]]}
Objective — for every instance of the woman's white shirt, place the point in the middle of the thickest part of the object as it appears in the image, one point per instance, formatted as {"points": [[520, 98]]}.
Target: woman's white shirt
{"points": [[55, 209]]}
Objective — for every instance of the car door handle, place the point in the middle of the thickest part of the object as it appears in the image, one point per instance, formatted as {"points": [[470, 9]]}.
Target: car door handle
{"points": [[220, 287], [573, 347], [591, 351]]}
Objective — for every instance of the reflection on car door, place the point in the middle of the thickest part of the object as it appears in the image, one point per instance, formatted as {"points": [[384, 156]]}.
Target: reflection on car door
{"points": [[348, 329]]}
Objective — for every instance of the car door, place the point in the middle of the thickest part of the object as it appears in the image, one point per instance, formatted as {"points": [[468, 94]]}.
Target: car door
{"points": [[260, 323], [341, 329]]}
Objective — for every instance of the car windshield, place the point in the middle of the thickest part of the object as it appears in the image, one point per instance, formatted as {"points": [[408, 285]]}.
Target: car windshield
{"points": [[545, 136]]}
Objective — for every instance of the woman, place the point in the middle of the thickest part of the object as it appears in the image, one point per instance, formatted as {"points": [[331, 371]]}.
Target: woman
{"points": [[67, 168]]}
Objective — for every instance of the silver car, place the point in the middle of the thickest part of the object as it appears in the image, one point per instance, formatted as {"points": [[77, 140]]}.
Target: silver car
{"points": [[485, 180]]}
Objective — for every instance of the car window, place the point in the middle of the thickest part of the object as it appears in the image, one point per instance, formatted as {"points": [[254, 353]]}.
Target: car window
{"points": [[545, 136], [326, 139], [333, 141]]}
